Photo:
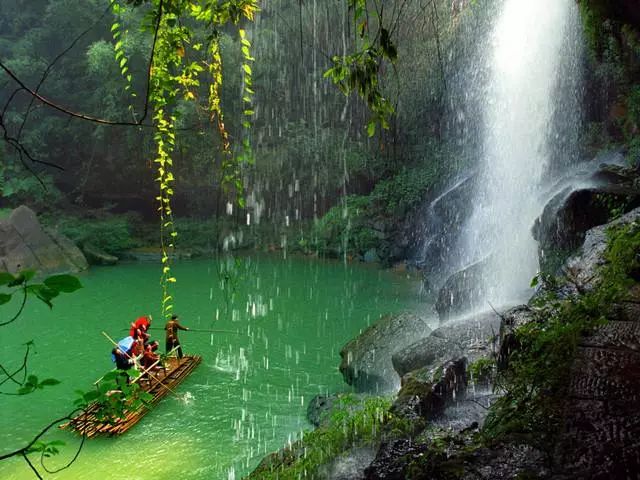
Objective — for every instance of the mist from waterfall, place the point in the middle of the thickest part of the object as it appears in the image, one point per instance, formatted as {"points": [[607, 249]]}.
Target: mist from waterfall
{"points": [[522, 120]]}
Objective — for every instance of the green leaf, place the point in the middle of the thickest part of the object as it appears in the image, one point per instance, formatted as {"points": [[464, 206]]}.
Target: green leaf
{"points": [[48, 382], [63, 283], [371, 128], [44, 293], [6, 277], [4, 298]]}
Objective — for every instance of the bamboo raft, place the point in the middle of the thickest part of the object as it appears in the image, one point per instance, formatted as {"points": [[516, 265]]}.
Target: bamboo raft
{"points": [[86, 423]]}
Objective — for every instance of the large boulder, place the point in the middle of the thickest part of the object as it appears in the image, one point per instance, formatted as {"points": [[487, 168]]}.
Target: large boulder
{"points": [[425, 393], [592, 201], [442, 222], [24, 244], [472, 337], [601, 416], [366, 360], [583, 269], [461, 293]]}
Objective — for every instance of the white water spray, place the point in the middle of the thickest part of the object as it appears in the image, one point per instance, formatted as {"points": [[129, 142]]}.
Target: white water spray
{"points": [[529, 44]]}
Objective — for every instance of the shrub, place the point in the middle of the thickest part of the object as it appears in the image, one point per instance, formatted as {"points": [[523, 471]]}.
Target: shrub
{"points": [[112, 235], [344, 228]]}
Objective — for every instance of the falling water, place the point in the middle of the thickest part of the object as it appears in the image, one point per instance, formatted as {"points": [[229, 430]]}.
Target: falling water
{"points": [[528, 104]]}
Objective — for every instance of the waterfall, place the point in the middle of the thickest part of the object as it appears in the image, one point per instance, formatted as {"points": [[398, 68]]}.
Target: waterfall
{"points": [[533, 48], [521, 125]]}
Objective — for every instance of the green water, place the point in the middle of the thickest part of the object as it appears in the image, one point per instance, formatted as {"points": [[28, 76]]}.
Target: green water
{"points": [[247, 398]]}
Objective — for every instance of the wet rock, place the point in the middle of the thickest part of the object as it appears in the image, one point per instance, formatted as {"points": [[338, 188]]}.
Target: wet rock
{"points": [[24, 244], [443, 221], [425, 393], [460, 293], [505, 461], [602, 421], [349, 466], [583, 269], [392, 458], [567, 217], [511, 320], [472, 337], [95, 256], [366, 360]]}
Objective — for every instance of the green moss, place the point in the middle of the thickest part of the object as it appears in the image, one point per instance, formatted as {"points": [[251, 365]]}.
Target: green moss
{"points": [[594, 13], [347, 426], [482, 370]]}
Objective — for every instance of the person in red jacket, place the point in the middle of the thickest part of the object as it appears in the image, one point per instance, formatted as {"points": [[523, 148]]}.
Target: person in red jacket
{"points": [[140, 327]]}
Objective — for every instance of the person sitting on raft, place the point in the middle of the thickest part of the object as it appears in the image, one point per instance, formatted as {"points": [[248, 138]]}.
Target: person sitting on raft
{"points": [[140, 327], [123, 361], [150, 358]]}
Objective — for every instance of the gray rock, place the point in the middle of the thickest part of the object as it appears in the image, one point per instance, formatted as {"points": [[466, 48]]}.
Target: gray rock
{"points": [[425, 393], [583, 269], [567, 217], [349, 466], [24, 244], [511, 320], [460, 293], [95, 256], [366, 360], [471, 337]]}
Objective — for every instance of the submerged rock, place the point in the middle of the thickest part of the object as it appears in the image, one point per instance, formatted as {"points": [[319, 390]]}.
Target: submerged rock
{"points": [[366, 360], [24, 244], [95, 256]]}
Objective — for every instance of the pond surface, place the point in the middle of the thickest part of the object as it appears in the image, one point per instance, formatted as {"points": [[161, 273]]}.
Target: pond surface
{"points": [[249, 395]]}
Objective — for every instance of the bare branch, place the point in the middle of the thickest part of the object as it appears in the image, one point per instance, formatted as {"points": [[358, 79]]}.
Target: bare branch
{"points": [[45, 74], [153, 51], [64, 110]]}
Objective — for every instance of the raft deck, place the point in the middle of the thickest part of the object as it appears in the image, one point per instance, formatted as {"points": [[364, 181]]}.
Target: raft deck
{"points": [[86, 422]]}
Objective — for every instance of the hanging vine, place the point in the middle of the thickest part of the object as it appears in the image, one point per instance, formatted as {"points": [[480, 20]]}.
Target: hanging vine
{"points": [[172, 76]]}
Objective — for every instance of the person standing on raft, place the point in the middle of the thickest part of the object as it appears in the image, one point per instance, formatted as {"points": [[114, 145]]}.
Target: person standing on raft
{"points": [[172, 341]]}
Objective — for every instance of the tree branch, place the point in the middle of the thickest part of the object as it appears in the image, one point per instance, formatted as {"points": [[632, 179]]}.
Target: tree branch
{"points": [[64, 110], [153, 51], [45, 74]]}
